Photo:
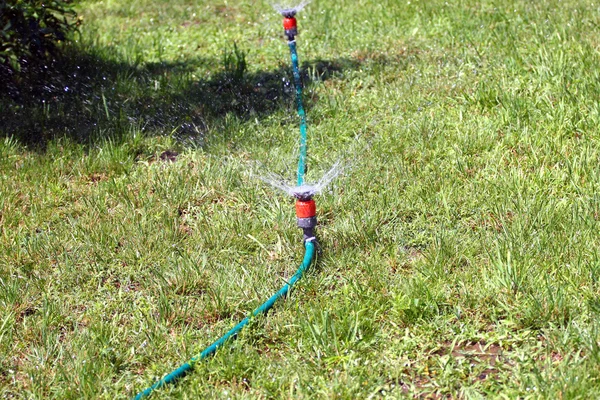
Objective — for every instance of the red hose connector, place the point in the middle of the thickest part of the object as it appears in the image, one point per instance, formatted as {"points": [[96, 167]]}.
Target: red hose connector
{"points": [[291, 27], [290, 23], [306, 209]]}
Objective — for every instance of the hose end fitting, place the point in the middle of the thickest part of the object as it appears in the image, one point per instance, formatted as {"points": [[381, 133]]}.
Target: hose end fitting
{"points": [[291, 27]]}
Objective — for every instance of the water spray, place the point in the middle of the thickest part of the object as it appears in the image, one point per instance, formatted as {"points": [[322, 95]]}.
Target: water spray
{"points": [[305, 213]]}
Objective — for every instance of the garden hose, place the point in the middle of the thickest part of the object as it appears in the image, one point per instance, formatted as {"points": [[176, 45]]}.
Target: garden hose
{"points": [[306, 219], [263, 309]]}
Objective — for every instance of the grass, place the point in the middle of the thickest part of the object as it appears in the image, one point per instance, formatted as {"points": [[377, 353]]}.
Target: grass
{"points": [[459, 255]]}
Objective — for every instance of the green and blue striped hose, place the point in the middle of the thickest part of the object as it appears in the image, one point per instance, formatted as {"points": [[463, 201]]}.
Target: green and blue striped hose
{"points": [[309, 254]]}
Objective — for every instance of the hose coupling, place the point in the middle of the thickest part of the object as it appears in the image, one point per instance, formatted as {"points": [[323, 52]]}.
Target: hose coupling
{"points": [[290, 25], [309, 235]]}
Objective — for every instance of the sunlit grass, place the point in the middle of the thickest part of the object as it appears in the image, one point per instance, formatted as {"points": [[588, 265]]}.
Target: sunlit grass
{"points": [[459, 253]]}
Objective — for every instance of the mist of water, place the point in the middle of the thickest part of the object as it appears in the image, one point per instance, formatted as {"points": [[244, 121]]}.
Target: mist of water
{"points": [[286, 8], [307, 190]]}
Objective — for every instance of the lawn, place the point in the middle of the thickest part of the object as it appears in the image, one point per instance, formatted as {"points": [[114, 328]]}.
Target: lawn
{"points": [[459, 251]]}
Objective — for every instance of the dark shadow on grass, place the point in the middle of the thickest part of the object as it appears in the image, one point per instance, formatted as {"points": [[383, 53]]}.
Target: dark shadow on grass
{"points": [[87, 97]]}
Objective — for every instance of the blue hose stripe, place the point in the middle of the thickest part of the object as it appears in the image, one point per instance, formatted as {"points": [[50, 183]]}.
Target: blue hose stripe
{"points": [[210, 350]]}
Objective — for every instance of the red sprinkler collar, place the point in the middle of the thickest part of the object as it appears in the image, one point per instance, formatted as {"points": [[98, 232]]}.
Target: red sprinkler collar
{"points": [[306, 209], [290, 23], [291, 27]]}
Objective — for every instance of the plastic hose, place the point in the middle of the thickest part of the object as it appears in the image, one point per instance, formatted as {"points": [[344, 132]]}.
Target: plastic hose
{"points": [[263, 309], [301, 113], [305, 207]]}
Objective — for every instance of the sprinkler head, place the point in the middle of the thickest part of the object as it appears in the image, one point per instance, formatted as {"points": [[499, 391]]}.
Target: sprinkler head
{"points": [[304, 195], [290, 25], [289, 13]]}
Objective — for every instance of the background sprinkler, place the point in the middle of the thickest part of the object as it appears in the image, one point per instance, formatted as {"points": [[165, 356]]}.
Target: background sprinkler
{"points": [[290, 26]]}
